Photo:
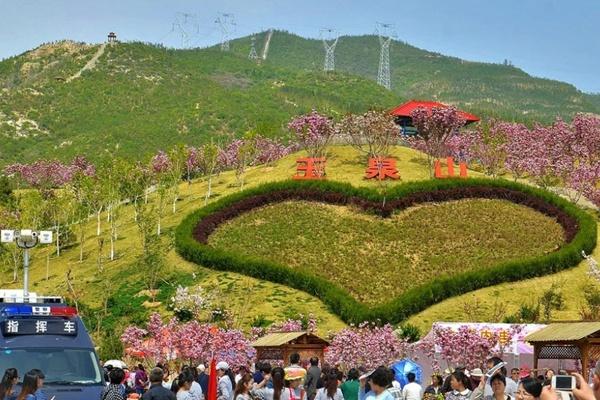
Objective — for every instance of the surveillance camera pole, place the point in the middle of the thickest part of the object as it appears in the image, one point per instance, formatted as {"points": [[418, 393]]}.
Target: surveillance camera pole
{"points": [[30, 243]]}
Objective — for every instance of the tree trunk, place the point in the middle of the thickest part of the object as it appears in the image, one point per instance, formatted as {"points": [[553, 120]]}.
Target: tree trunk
{"points": [[81, 241], [112, 248], [58, 239], [16, 265], [175, 203], [158, 226], [98, 224], [208, 192], [135, 210]]}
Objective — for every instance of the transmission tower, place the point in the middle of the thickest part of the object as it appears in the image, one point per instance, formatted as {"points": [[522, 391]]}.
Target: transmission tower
{"points": [[385, 33], [253, 55], [330, 39], [227, 25], [187, 26]]}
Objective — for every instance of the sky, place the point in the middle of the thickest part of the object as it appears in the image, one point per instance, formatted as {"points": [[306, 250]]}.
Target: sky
{"points": [[546, 38]]}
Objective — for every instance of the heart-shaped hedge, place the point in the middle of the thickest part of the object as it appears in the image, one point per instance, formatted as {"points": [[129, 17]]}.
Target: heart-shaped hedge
{"points": [[580, 234]]}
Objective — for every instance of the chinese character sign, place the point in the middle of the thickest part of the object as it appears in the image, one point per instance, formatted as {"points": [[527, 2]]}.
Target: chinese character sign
{"points": [[310, 168], [437, 167], [37, 326], [382, 168]]}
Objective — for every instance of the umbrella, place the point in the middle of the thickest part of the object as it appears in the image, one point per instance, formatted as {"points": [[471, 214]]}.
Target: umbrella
{"points": [[212, 381], [403, 367], [115, 364]]}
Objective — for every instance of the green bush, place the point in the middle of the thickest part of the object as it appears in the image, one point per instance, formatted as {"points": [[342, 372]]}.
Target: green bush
{"points": [[580, 231]]}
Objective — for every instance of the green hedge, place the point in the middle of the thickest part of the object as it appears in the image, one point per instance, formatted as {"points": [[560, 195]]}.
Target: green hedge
{"points": [[580, 230]]}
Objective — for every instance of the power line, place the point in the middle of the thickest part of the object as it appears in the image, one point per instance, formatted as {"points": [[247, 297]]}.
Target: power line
{"points": [[227, 24], [187, 26], [253, 55], [330, 39], [385, 32]]}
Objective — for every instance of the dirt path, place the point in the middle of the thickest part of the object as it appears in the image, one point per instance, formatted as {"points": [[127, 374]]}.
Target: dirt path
{"points": [[267, 42], [90, 64]]}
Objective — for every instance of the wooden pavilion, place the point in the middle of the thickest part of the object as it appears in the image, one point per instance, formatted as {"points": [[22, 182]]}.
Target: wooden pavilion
{"points": [[567, 341], [279, 346]]}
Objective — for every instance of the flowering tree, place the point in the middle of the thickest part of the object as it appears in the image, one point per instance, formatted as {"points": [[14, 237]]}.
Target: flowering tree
{"points": [[313, 132], [435, 127], [269, 150], [465, 347], [371, 133], [156, 343], [240, 154], [189, 304], [185, 342], [365, 345]]}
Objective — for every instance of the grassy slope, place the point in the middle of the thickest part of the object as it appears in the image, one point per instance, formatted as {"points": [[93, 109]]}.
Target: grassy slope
{"points": [[483, 88], [145, 98], [392, 255], [243, 293]]}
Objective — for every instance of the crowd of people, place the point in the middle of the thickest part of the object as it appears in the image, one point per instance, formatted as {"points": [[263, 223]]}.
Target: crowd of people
{"points": [[295, 382], [29, 389]]}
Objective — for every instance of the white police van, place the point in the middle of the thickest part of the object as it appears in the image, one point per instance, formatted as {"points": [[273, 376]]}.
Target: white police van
{"points": [[46, 334]]}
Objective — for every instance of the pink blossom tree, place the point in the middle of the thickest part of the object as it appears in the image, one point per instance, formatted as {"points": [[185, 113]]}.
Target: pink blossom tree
{"points": [[187, 342], [466, 346], [366, 345], [313, 132], [435, 127]]}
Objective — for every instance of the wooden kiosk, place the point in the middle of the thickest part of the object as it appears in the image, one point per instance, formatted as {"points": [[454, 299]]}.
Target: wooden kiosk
{"points": [[567, 341], [279, 346]]}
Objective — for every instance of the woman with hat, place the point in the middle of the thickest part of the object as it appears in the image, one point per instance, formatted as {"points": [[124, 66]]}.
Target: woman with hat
{"points": [[226, 379], [293, 380]]}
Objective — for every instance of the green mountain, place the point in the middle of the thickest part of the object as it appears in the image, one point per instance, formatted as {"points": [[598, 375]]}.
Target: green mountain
{"points": [[485, 89], [66, 98], [144, 97]]}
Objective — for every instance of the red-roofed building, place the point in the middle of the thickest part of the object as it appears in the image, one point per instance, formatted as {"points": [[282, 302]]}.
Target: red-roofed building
{"points": [[404, 111]]}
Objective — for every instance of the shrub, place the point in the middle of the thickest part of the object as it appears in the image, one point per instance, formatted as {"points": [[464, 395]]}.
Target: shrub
{"points": [[580, 234]]}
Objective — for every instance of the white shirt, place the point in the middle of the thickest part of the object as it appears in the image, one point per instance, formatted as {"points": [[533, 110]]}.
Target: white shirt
{"points": [[412, 391], [322, 395], [196, 391]]}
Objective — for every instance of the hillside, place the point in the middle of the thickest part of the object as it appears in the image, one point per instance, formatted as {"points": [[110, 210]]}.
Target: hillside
{"points": [[486, 89], [144, 97], [240, 294]]}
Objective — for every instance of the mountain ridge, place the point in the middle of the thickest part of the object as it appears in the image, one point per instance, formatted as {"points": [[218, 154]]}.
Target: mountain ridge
{"points": [[142, 97]]}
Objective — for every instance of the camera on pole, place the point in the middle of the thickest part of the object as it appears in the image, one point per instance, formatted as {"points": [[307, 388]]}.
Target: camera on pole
{"points": [[25, 239]]}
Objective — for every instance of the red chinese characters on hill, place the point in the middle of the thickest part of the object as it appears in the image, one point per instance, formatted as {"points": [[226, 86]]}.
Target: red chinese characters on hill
{"points": [[382, 168], [310, 168], [450, 174]]}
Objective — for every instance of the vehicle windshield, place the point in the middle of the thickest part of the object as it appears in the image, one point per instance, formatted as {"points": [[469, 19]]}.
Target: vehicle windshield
{"points": [[61, 366]]}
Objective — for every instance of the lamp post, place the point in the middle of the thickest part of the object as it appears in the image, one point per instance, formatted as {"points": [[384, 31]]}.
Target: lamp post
{"points": [[25, 239]]}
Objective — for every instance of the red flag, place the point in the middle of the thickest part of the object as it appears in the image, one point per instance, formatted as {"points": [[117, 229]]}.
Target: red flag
{"points": [[212, 381]]}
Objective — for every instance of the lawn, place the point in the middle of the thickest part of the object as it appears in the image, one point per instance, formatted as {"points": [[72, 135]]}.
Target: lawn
{"points": [[249, 297], [377, 258]]}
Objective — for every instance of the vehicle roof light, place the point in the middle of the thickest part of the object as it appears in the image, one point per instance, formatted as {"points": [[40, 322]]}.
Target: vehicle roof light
{"points": [[27, 310]]}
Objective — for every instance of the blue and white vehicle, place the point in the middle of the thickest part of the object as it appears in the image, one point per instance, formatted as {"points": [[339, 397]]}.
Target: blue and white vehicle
{"points": [[46, 334]]}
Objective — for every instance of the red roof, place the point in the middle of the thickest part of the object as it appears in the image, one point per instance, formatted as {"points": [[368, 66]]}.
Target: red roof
{"points": [[406, 109]]}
